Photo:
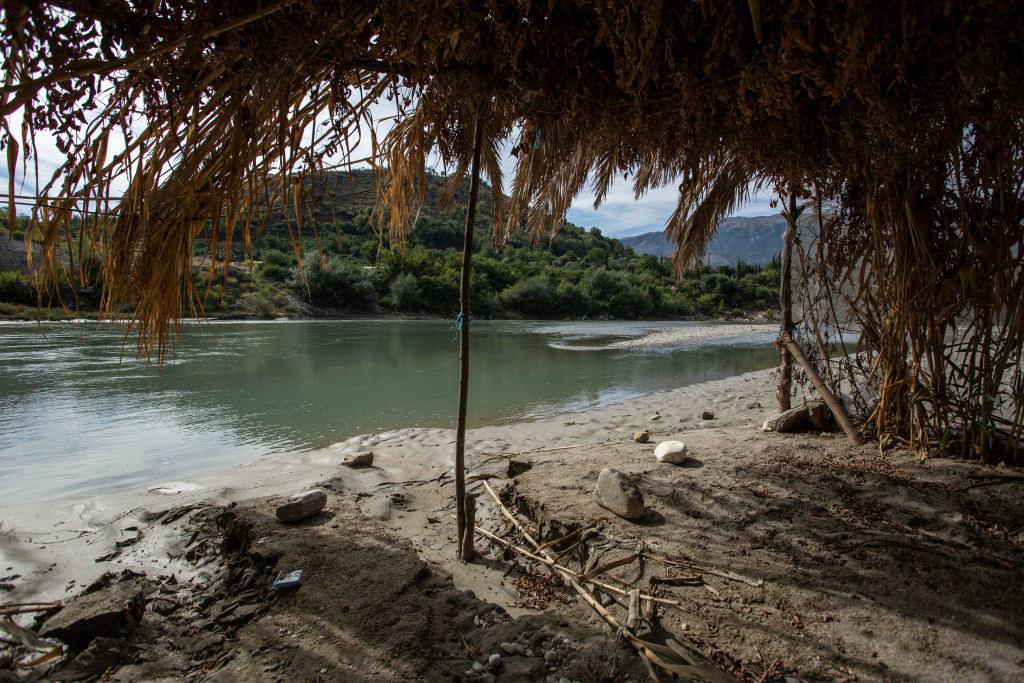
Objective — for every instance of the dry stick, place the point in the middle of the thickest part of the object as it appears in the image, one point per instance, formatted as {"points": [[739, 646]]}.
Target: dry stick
{"points": [[785, 302], [756, 583], [554, 565], [633, 619], [467, 540], [649, 652], [833, 403], [467, 256]]}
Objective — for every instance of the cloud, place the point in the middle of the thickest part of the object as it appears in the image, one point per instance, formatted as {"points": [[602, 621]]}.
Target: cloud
{"points": [[621, 215]]}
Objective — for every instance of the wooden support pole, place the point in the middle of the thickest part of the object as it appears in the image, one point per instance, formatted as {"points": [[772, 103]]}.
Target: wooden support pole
{"points": [[460, 430], [834, 404], [786, 304]]}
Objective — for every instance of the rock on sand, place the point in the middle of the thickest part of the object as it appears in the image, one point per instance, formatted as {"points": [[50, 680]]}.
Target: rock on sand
{"points": [[617, 492], [641, 437], [361, 459], [813, 414], [670, 451], [302, 505]]}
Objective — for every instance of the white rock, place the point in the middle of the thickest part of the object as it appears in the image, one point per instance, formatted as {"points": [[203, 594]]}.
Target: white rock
{"points": [[671, 452]]}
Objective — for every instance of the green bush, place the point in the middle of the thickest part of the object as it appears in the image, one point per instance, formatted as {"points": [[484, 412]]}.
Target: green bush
{"points": [[405, 293], [533, 296], [15, 288], [340, 284]]}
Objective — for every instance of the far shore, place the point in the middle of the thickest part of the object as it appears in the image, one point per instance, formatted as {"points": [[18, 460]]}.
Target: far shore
{"points": [[18, 313]]}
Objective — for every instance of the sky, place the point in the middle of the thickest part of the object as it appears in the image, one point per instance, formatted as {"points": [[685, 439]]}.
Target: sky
{"points": [[620, 214]]}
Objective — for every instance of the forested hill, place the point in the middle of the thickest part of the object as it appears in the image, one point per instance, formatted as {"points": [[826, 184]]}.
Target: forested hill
{"points": [[346, 268]]}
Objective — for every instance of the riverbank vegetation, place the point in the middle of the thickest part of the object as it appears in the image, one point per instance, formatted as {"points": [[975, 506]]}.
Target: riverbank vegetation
{"points": [[347, 269]]}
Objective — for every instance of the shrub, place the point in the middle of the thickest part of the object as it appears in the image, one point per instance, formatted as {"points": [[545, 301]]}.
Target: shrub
{"points": [[15, 288], [534, 296], [405, 293], [340, 284]]}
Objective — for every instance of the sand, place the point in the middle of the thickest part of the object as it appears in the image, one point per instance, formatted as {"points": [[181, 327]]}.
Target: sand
{"points": [[871, 568], [679, 336]]}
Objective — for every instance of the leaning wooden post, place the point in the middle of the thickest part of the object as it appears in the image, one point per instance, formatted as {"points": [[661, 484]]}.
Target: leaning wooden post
{"points": [[786, 304], [460, 431], [834, 404]]}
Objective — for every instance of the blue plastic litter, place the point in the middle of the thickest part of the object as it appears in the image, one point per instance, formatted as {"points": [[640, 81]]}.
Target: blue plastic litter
{"points": [[292, 580]]}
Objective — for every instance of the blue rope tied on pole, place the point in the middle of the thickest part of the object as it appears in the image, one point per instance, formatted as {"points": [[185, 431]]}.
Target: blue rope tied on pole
{"points": [[536, 140], [455, 326]]}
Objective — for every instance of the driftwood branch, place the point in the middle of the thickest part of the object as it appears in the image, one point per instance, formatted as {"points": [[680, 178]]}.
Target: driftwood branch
{"points": [[834, 404], [691, 665]]}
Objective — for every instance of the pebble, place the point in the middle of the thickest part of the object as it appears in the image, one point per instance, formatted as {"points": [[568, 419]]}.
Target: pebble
{"points": [[494, 663], [707, 415], [488, 678], [641, 437], [478, 667], [529, 653], [754, 405], [512, 648], [551, 656], [563, 679]]}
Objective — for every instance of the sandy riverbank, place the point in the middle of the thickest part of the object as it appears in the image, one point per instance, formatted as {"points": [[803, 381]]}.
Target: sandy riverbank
{"points": [[866, 568]]}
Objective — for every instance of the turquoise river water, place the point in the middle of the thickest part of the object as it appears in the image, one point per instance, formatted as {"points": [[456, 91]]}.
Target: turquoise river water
{"points": [[78, 417]]}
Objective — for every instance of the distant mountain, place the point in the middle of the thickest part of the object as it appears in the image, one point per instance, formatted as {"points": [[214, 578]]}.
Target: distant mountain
{"points": [[753, 239]]}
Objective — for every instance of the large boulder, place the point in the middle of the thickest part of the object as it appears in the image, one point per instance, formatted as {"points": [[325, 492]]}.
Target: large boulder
{"points": [[821, 418], [814, 415], [671, 452], [302, 505], [618, 492]]}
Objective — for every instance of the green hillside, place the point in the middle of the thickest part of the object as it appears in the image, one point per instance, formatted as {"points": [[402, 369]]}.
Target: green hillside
{"points": [[347, 269]]}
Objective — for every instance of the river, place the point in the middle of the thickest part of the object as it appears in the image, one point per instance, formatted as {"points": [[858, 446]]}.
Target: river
{"points": [[79, 416]]}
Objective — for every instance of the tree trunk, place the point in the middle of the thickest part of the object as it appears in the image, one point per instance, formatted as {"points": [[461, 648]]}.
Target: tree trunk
{"points": [[786, 303], [460, 431]]}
